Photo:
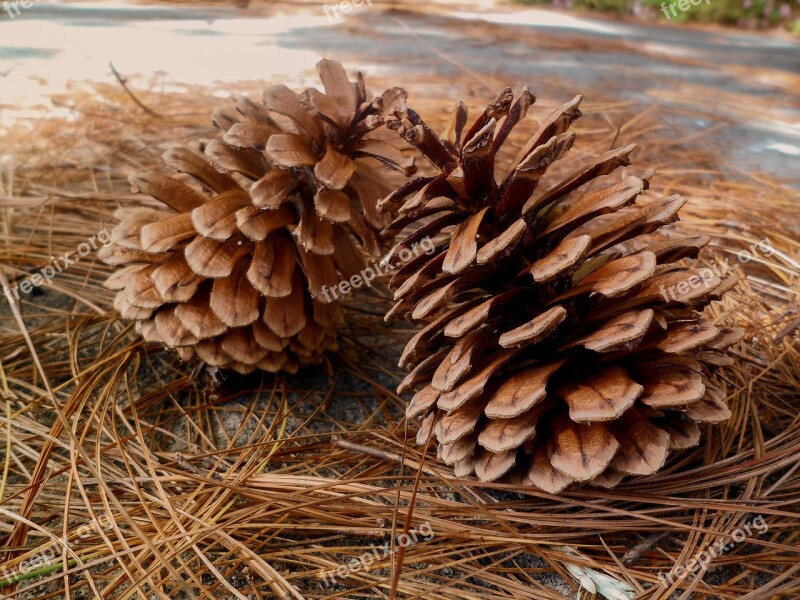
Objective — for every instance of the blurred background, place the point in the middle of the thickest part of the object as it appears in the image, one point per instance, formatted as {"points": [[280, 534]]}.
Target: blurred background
{"points": [[726, 71]]}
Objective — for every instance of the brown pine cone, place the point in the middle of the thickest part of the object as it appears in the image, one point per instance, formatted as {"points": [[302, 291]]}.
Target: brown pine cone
{"points": [[564, 340], [234, 268]]}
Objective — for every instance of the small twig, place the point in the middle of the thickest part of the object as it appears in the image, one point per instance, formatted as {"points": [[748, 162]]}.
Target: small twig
{"points": [[759, 362], [368, 450], [185, 464], [382, 454], [124, 83], [638, 550], [787, 330], [207, 462]]}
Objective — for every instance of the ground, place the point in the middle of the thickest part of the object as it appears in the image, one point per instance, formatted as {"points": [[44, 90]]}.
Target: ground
{"points": [[261, 482]]}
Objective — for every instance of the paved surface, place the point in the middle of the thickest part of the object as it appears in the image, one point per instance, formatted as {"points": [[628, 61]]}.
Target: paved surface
{"points": [[750, 82]]}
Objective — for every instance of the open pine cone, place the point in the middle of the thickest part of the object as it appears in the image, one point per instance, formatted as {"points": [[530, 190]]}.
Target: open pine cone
{"points": [[235, 267], [564, 340]]}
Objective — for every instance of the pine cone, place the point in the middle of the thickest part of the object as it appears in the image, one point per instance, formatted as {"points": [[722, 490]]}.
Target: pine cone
{"points": [[235, 268], [564, 340]]}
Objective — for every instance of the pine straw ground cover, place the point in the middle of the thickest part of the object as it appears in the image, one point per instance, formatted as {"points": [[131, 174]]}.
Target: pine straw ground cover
{"points": [[165, 485]]}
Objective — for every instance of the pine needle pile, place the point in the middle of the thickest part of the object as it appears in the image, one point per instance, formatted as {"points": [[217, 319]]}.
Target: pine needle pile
{"points": [[127, 474]]}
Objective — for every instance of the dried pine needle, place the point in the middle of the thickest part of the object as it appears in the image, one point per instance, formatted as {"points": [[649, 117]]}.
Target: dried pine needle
{"points": [[277, 486]]}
